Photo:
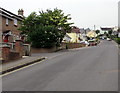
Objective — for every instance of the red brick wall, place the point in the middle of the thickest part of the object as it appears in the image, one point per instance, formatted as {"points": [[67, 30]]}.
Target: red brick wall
{"points": [[8, 55], [63, 46], [73, 45], [43, 50], [5, 53], [19, 47], [14, 55]]}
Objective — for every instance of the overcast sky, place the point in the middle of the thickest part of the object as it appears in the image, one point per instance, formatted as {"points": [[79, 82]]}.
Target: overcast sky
{"points": [[84, 13]]}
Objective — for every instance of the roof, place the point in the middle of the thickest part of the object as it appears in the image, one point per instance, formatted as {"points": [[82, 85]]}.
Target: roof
{"points": [[68, 36], [91, 34], [106, 28], [74, 37], [75, 29], [8, 14]]}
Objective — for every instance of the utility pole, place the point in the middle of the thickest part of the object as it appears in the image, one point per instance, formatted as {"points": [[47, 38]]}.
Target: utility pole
{"points": [[94, 27]]}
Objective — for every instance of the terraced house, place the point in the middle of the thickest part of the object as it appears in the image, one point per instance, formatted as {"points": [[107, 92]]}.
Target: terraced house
{"points": [[10, 25], [12, 42]]}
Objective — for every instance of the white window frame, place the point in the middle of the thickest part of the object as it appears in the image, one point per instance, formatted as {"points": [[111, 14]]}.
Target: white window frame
{"points": [[7, 21], [15, 22]]}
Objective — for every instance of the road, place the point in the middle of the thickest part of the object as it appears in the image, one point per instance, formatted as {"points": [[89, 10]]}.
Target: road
{"points": [[86, 69]]}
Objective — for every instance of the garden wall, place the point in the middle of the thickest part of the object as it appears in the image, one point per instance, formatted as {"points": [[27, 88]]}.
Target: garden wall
{"points": [[53, 49], [43, 50], [74, 45], [14, 51]]}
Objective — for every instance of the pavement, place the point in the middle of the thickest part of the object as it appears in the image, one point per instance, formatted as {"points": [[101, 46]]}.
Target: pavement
{"points": [[15, 64], [87, 69]]}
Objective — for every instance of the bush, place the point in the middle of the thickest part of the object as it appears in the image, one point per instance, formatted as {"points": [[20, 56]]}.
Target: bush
{"points": [[45, 37], [66, 46], [117, 40]]}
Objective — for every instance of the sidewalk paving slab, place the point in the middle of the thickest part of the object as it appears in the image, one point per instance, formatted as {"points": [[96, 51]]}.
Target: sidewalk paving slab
{"points": [[20, 62]]}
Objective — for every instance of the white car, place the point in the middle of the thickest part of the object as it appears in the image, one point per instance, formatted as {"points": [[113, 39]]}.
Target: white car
{"points": [[85, 42], [108, 39]]}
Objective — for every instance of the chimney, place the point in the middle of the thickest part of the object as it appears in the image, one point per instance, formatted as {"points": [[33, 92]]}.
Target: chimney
{"points": [[21, 12]]}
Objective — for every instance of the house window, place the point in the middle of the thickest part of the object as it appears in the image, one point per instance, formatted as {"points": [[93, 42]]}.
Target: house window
{"points": [[7, 21], [6, 39], [15, 22]]}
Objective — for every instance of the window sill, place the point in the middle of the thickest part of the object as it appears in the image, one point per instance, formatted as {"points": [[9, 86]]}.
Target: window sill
{"points": [[15, 25]]}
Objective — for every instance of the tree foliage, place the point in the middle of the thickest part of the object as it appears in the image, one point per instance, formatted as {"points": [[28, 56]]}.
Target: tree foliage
{"points": [[46, 29], [97, 31], [110, 32]]}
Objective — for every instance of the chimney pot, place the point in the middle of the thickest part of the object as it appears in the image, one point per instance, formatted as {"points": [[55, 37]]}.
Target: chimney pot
{"points": [[21, 12]]}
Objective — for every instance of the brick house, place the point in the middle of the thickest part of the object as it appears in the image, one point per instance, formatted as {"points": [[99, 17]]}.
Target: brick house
{"points": [[11, 44], [10, 25]]}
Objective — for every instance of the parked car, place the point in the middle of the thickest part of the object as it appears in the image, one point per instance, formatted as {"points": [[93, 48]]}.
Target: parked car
{"points": [[92, 42], [108, 39], [85, 42]]}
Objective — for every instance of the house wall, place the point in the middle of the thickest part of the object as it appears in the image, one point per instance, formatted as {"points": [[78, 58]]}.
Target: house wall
{"points": [[102, 32], [10, 26], [74, 37], [1, 28], [0, 36]]}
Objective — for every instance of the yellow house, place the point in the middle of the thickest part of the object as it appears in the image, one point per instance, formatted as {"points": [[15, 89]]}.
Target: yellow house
{"points": [[91, 34], [74, 37]]}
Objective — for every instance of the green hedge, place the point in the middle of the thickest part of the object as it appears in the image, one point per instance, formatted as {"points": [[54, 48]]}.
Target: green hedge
{"points": [[117, 40]]}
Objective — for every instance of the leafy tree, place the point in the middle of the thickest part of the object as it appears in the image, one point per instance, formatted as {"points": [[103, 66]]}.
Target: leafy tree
{"points": [[28, 23], [45, 36], [46, 29], [97, 31], [105, 33], [110, 32]]}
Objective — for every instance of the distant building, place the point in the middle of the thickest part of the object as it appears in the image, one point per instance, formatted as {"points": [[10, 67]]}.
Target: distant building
{"points": [[84, 31], [119, 33], [87, 30], [115, 31], [74, 37], [67, 38], [75, 29], [105, 30], [91, 34]]}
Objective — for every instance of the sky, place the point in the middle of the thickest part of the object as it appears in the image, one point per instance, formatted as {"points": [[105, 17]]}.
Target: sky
{"points": [[84, 13]]}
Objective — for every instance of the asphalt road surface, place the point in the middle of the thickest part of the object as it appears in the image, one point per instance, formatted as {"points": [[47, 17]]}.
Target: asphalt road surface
{"points": [[86, 69]]}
